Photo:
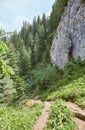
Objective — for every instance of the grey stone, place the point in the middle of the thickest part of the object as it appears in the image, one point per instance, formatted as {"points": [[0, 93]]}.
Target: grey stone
{"points": [[70, 35]]}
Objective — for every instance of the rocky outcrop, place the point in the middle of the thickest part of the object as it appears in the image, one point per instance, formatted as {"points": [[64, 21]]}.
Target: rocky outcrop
{"points": [[70, 36], [78, 112]]}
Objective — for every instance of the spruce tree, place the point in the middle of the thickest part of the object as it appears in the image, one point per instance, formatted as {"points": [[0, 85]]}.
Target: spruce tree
{"points": [[6, 83]]}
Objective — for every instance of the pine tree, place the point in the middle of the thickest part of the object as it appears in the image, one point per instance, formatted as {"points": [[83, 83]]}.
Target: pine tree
{"points": [[24, 30], [14, 58], [6, 83]]}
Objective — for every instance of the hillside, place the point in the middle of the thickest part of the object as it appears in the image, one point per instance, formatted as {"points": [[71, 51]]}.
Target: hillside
{"points": [[42, 71]]}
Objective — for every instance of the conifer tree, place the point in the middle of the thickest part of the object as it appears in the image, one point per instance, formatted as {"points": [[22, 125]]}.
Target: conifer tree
{"points": [[6, 83]]}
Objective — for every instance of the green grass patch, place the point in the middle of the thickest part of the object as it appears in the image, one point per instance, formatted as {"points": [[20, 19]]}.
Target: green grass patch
{"points": [[60, 117], [19, 118], [80, 102], [71, 91]]}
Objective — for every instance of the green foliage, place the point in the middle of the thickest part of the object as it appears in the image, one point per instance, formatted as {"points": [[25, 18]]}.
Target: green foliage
{"points": [[25, 61], [60, 117], [35, 39], [4, 68], [43, 75], [3, 48], [57, 11], [33, 45], [19, 118], [6, 84], [14, 58], [23, 55], [72, 91], [80, 101], [30, 57], [82, 1], [69, 84], [20, 86], [55, 17], [6, 89]]}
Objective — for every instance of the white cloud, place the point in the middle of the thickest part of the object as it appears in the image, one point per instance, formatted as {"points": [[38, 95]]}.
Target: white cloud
{"points": [[15, 24], [4, 26], [14, 12], [18, 22]]}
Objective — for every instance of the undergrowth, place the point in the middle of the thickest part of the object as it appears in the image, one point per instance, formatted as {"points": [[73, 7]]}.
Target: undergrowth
{"points": [[18, 118], [80, 102], [60, 117], [69, 84]]}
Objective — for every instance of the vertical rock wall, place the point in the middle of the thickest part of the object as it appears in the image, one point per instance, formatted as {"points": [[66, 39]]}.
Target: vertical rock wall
{"points": [[70, 35]]}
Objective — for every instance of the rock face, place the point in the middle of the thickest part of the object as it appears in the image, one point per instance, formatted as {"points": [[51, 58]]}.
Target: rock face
{"points": [[70, 36]]}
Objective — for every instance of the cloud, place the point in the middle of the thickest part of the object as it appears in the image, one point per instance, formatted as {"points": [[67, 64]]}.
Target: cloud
{"points": [[15, 24], [18, 22], [14, 12]]}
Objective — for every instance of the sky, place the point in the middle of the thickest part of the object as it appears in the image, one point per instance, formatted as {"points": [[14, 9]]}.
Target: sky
{"points": [[14, 12]]}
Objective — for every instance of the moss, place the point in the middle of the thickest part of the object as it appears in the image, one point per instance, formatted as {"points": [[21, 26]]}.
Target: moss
{"points": [[82, 1]]}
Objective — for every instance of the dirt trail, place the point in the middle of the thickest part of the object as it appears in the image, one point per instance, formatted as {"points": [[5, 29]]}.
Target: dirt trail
{"points": [[78, 112], [81, 123], [41, 123], [79, 115]]}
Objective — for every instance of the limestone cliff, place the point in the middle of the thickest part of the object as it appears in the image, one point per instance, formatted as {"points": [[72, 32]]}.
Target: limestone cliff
{"points": [[70, 35]]}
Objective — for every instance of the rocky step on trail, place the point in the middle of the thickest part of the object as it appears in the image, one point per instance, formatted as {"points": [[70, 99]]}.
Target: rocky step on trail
{"points": [[79, 115]]}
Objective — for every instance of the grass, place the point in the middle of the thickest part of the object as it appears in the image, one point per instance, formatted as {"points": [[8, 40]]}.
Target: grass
{"points": [[67, 84], [80, 102], [60, 117], [74, 91], [18, 118], [71, 91]]}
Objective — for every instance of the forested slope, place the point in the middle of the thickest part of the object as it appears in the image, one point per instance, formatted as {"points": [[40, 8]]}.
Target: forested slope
{"points": [[26, 72], [29, 51]]}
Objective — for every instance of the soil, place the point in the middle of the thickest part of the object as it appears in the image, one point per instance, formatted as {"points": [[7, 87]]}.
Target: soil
{"points": [[81, 123], [41, 123]]}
